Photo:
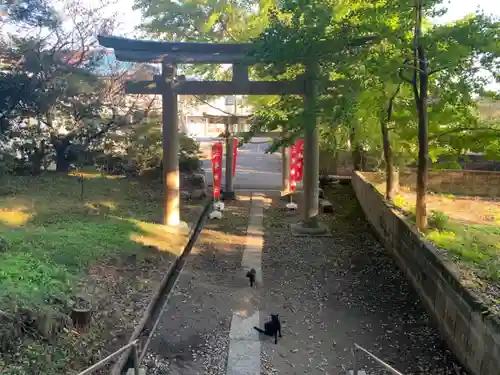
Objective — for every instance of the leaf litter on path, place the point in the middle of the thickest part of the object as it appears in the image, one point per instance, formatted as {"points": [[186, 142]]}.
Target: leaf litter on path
{"points": [[332, 292], [193, 334]]}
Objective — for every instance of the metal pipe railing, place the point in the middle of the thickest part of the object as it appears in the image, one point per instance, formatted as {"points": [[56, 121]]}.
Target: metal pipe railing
{"points": [[103, 362], [357, 348]]}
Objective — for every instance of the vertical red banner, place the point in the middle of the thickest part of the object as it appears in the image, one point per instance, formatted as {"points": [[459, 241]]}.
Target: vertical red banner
{"points": [[296, 163], [293, 162], [217, 168], [299, 167], [235, 154]]}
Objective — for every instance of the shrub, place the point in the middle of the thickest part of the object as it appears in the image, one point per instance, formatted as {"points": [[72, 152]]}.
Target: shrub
{"points": [[399, 201], [116, 165], [438, 220], [146, 153]]}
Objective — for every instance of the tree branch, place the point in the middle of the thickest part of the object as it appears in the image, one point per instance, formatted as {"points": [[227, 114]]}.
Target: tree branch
{"points": [[448, 66], [458, 130], [391, 103]]}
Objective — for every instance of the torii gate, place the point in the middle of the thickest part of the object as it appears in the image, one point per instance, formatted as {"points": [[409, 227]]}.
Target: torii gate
{"points": [[169, 85]]}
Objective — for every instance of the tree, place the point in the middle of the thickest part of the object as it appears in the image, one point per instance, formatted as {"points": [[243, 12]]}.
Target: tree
{"points": [[383, 69], [70, 106], [204, 21], [449, 52]]}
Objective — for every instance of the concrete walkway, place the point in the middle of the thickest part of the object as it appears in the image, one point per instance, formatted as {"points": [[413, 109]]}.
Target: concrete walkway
{"points": [[244, 346], [207, 327]]}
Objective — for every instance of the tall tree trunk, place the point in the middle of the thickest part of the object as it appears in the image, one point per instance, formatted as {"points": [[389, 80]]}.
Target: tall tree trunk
{"points": [[390, 188], [335, 162], [391, 180], [423, 144], [62, 162], [333, 167], [421, 96], [37, 158], [355, 149]]}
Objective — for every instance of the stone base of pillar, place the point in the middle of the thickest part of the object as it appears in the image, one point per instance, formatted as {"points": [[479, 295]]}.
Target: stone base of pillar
{"points": [[287, 196], [313, 229], [182, 227], [228, 196]]}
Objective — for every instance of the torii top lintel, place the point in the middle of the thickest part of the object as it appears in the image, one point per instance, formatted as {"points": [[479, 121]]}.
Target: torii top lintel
{"points": [[192, 53], [159, 51]]}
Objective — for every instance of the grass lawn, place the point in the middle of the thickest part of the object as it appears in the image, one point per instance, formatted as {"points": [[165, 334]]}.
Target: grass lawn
{"points": [[466, 230], [55, 245]]}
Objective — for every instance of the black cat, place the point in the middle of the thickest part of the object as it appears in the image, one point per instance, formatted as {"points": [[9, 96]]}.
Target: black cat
{"points": [[272, 328], [251, 276]]}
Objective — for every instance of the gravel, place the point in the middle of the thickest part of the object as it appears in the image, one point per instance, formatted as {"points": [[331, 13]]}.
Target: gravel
{"points": [[332, 292], [210, 356]]}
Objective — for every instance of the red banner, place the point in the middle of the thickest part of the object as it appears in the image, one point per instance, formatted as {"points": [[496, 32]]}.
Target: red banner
{"points": [[235, 154], [217, 168], [296, 163]]}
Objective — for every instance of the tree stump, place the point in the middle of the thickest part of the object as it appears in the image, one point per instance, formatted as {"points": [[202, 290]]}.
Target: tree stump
{"points": [[81, 314]]}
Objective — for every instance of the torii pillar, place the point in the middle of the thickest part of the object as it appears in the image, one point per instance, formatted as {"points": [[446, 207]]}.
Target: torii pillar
{"points": [[310, 224], [170, 133]]}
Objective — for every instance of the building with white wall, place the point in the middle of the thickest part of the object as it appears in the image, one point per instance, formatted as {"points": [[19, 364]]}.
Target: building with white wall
{"points": [[207, 118]]}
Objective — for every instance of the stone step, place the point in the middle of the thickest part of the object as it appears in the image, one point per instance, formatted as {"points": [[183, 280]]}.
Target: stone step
{"points": [[325, 206], [321, 193]]}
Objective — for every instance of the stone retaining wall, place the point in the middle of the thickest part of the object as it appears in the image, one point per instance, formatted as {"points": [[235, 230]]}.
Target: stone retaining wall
{"points": [[460, 182], [474, 337]]}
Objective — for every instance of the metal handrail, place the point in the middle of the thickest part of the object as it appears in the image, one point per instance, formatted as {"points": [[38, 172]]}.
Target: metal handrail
{"points": [[103, 362], [358, 348]]}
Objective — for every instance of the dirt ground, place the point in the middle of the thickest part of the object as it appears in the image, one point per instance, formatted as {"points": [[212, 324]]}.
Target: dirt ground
{"points": [[337, 291], [469, 210], [468, 240], [193, 334]]}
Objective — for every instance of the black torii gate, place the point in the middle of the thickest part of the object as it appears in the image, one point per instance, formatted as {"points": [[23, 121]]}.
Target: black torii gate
{"points": [[169, 85]]}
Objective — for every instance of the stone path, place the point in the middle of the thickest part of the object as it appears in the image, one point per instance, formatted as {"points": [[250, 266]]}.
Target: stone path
{"points": [[244, 347]]}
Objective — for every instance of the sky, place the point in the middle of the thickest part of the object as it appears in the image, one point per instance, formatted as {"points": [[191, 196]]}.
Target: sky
{"points": [[459, 8], [129, 19], [456, 10]]}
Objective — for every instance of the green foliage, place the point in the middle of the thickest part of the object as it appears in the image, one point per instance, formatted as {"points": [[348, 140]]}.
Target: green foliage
{"points": [[189, 150], [204, 21], [474, 246], [51, 100], [438, 220], [145, 150], [37, 13], [367, 77], [400, 202]]}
